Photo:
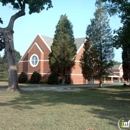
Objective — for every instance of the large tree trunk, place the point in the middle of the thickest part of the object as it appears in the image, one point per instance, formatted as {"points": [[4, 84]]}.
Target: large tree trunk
{"points": [[12, 69], [7, 35], [100, 84]]}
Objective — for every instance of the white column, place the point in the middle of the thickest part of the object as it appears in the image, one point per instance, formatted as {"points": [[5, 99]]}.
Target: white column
{"points": [[112, 79]]}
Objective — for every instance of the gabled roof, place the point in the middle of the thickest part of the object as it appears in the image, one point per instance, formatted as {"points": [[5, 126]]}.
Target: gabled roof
{"points": [[79, 42], [49, 41]]}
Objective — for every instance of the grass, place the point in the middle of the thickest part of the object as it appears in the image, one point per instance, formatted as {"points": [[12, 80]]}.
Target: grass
{"points": [[87, 109], [4, 84]]}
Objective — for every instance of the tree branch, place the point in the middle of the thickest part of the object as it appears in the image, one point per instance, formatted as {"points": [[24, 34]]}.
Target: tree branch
{"points": [[17, 15], [19, 3]]}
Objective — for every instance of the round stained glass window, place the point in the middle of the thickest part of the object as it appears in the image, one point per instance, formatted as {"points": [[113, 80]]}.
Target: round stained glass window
{"points": [[34, 60]]}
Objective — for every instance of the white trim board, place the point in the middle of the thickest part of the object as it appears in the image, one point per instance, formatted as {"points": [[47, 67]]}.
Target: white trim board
{"points": [[44, 42], [40, 73], [37, 47], [29, 60]]}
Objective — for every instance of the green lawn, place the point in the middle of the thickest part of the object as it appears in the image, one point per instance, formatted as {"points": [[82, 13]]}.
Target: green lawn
{"points": [[87, 109]]}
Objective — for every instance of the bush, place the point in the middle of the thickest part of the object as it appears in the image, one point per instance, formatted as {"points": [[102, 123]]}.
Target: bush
{"points": [[68, 81], [23, 77], [52, 79], [35, 78]]}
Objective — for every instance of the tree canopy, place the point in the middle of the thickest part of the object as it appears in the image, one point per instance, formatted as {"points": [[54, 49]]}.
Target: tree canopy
{"points": [[121, 38], [88, 61], [62, 57], [35, 6], [100, 34], [120, 7]]}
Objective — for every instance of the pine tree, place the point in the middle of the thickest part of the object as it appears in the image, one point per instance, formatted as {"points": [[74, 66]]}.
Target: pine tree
{"points": [[88, 61], [62, 57], [99, 32]]}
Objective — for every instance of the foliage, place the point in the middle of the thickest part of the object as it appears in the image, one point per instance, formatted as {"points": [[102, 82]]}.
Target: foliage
{"points": [[88, 60], [33, 5], [62, 56], [23, 77], [35, 77], [126, 63], [17, 57], [3, 68], [120, 7], [4, 65], [100, 33], [52, 79], [68, 79], [2, 43], [121, 38], [116, 63], [1, 21]]}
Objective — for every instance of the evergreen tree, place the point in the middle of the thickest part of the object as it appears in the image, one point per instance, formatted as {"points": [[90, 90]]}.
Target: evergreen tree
{"points": [[4, 65], [88, 61], [100, 33], [62, 57], [3, 68]]}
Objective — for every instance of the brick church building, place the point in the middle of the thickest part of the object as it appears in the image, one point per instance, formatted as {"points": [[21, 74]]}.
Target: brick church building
{"points": [[36, 59]]}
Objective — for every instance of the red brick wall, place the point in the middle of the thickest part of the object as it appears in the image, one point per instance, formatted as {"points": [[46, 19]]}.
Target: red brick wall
{"points": [[76, 75], [43, 66]]}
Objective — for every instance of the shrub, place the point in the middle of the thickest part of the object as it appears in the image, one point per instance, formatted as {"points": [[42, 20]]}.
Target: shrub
{"points": [[68, 81], [52, 79], [23, 77], [35, 78]]}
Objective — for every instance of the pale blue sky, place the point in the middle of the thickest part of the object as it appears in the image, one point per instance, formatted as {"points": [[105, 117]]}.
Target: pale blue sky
{"points": [[79, 12]]}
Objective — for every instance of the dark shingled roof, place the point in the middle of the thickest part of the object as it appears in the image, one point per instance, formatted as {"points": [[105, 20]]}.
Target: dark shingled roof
{"points": [[78, 41]]}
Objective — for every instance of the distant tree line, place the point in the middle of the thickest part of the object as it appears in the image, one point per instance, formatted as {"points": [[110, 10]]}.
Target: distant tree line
{"points": [[4, 65]]}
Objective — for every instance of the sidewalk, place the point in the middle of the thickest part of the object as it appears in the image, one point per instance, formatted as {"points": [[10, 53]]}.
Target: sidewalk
{"points": [[64, 88]]}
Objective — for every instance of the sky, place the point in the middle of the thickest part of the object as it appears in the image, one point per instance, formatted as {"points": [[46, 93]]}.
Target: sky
{"points": [[79, 12]]}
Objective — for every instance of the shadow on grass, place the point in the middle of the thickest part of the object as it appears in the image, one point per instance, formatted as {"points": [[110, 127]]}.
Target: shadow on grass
{"points": [[105, 103]]}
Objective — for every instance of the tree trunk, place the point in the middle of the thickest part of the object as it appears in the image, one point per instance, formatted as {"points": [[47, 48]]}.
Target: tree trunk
{"points": [[12, 69], [63, 80], [100, 84], [7, 34]]}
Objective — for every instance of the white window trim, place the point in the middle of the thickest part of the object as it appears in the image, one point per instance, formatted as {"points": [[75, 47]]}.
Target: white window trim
{"points": [[31, 60]]}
